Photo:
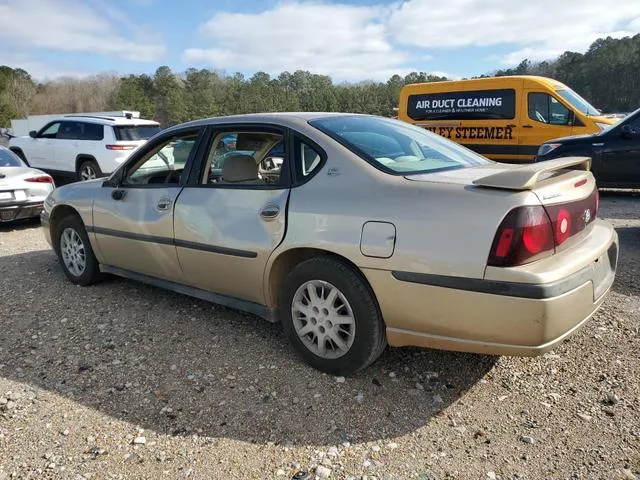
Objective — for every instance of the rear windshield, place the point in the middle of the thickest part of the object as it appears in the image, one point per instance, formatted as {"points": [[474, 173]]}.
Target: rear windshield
{"points": [[9, 159], [136, 132], [397, 147]]}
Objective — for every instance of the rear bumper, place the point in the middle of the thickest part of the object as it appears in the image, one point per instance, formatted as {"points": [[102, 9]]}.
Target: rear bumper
{"points": [[493, 317], [20, 211]]}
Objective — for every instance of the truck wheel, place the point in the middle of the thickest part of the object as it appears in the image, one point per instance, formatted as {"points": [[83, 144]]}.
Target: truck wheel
{"points": [[88, 170]]}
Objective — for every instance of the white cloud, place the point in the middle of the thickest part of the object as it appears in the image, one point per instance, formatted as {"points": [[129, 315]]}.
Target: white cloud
{"points": [[540, 30], [346, 42], [73, 26], [41, 71]]}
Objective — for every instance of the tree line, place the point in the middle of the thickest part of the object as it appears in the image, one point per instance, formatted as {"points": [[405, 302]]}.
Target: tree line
{"points": [[606, 75]]}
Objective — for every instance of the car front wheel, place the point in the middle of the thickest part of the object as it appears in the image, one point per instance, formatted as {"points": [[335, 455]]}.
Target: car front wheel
{"points": [[75, 253], [330, 315]]}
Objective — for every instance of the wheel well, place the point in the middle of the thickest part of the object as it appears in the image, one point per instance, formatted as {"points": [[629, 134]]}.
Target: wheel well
{"points": [[18, 151], [289, 259], [58, 214], [83, 158]]}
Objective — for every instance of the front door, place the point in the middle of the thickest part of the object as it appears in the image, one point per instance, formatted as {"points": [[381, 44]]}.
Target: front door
{"points": [[543, 117], [41, 152], [133, 221], [621, 155], [232, 214]]}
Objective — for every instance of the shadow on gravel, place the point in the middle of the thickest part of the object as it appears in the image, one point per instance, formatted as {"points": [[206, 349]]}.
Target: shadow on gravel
{"points": [[20, 225], [181, 366], [629, 261]]}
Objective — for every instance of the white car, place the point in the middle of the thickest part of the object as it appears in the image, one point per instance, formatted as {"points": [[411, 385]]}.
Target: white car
{"points": [[83, 146], [22, 189]]}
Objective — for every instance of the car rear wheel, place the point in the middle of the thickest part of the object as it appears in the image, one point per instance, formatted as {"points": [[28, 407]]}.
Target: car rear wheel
{"points": [[74, 252], [88, 170], [330, 315]]}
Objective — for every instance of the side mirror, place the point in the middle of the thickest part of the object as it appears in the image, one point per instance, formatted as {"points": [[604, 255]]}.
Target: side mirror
{"points": [[33, 134], [626, 131]]}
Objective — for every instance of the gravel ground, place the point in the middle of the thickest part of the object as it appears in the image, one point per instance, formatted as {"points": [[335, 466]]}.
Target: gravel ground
{"points": [[121, 380]]}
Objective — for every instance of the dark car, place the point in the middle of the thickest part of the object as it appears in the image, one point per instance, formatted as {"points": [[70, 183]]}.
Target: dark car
{"points": [[615, 152]]}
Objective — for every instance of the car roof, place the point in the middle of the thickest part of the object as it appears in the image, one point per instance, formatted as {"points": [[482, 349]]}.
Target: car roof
{"points": [[114, 121], [279, 118]]}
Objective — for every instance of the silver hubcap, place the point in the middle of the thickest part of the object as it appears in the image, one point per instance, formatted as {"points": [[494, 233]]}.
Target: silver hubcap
{"points": [[88, 173], [323, 319], [73, 252]]}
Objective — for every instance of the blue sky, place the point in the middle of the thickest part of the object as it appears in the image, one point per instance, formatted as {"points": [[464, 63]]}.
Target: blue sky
{"points": [[350, 40]]}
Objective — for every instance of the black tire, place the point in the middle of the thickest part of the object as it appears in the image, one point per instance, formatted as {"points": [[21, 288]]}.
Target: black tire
{"points": [[91, 272], [88, 165], [370, 339]]}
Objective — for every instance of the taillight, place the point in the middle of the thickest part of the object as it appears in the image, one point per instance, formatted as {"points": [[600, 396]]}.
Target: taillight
{"points": [[529, 233], [39, 179], [525, 234], [120, 147], [562, 226]]}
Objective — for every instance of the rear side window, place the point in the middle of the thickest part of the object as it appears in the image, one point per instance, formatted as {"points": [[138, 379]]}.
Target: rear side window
{"points": [[80, 131], [92, 131], [135, 132]]}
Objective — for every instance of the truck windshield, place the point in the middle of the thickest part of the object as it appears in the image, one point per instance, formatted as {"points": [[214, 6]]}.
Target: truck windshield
{"points": [[578, 102]]}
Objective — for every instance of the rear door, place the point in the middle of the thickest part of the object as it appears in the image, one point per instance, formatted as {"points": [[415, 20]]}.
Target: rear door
{"points": [[133, 219], [543, 117], [233, 213], [621, 156], [67, 145]]}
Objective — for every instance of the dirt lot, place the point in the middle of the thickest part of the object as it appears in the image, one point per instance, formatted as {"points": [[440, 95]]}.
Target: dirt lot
{"points": [[121, 380]]}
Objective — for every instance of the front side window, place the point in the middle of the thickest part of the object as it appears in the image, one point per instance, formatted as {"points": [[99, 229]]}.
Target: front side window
{"points": [[397, 147], [51, 131], [545, 108], [164, 164], [245, 158]]}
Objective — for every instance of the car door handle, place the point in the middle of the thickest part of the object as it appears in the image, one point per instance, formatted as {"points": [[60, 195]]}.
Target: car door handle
{"points": [[512, 125], [270, 212], [527, 126], [164, 204]]}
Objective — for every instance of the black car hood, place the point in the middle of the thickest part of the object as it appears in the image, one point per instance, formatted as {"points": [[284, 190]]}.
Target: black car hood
{"points": [[584, 138]]}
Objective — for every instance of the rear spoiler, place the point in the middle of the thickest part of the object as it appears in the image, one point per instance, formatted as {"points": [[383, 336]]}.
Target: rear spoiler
{"points": [[524, 177]]}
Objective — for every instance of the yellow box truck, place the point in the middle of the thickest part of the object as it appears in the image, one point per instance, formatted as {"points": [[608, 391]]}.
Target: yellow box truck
{"points": [[503, 118]]}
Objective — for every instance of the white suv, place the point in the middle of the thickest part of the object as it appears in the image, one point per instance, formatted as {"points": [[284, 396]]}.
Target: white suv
{"points": [[83, 146]]}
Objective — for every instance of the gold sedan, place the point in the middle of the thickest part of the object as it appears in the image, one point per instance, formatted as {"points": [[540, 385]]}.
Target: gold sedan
{"points": [[354, 231]]}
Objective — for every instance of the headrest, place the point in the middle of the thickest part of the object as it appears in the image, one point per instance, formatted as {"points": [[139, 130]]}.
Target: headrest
{"points": [[239, 168]]}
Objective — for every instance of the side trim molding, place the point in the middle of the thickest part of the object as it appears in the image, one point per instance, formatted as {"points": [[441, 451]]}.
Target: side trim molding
{"points": [[536, 291], [170, 241], [224, 300]]}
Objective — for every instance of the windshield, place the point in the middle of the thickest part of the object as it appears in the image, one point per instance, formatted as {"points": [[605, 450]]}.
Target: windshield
{"points": [[9, 159], [135, 132], [578, 102], [397, 147]]}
